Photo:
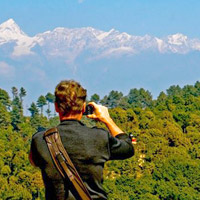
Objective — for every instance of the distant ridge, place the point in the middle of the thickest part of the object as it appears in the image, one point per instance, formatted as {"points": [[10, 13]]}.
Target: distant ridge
{"points": [[70, 43]]}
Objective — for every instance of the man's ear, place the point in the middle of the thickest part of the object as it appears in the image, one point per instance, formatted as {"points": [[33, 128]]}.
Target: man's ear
{"points": [[56, 107], [84, 107]]}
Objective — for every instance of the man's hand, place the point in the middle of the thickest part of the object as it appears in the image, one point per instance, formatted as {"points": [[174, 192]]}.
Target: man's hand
{"points": [[101, 113]]}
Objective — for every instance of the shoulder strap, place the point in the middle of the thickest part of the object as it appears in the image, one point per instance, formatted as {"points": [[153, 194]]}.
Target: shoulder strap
{"points": [[64, 164]]}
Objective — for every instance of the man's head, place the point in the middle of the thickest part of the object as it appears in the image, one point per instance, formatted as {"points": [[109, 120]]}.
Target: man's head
{"points": [[70, 97]]}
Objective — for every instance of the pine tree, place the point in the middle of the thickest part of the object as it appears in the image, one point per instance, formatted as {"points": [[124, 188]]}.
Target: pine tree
{"points": [[16, 117], [14, 92], [22, 94], [33, 110], [16, 113], [50, 99], [41, 102]]}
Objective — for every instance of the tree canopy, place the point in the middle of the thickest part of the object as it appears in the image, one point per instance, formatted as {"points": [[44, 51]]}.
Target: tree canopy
{"points": [[166, 164]]}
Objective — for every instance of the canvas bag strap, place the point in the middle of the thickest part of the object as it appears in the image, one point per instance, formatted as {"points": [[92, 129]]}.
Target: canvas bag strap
{"points": [[64, 164]]}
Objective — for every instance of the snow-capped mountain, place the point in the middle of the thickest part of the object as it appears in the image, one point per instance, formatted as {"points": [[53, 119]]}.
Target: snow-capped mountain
{"points": [[70, 43], [10, 32], [101, 60]]}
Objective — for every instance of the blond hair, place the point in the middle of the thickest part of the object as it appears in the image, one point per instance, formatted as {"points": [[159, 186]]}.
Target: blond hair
{"points": [[70, 97]]}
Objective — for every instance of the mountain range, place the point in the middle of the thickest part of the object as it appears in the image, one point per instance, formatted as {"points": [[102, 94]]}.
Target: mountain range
{"points": [[102, 61], [68, 44]]}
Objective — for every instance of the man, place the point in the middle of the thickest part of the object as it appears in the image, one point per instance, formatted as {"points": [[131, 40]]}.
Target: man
{"points": [[88, 148]]}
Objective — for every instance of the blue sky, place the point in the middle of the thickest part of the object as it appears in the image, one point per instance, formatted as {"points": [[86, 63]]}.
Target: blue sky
{"points": [[137, 17]]}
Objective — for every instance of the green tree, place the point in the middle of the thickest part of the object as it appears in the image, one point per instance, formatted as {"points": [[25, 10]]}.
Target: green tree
{"points": [[16, 117], [189, 90], [182, 118], [174, 90], [197, 86], [141, 98], [4, 98], [50, 99], [14, 92], [113, 99], [41, 102], [95, 98], [22, 94], [33, 109], [4, 116], [104, 100], [162, 97], [16, 113], [166, 164]]}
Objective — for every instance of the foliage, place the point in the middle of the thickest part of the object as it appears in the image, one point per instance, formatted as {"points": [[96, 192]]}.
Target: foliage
{"points": [[41, 102], [22, 93], [113, 99], [166, 165], [140, 98], [4, 98], [50, 98], [33, 110], [95, 98]]}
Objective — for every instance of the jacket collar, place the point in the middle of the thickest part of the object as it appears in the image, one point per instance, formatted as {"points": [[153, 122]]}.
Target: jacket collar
{"points": [[71, 121]]}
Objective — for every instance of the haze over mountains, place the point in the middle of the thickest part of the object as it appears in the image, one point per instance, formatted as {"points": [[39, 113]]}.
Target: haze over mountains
{"points": [[70, 43], [100, 60]]}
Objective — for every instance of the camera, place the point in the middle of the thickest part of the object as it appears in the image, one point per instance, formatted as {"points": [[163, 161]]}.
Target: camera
{"points": [[88, 110]]}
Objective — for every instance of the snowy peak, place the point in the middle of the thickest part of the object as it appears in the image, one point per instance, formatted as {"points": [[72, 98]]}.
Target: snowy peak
{"points": [[10, 32], [9, 22], [10, 29], [177, 43], [69, 43], [177, 39]]}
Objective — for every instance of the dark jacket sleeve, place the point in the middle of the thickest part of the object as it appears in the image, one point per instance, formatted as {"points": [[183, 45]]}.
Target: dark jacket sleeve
{"points": [[120, 147]]}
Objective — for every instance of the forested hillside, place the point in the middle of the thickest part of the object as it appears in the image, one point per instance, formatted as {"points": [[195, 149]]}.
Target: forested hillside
{"points": [[166, 165]]}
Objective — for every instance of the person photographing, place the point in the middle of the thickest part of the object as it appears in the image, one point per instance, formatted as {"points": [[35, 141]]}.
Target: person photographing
{"points": [[88, 148], [101, 114]]}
